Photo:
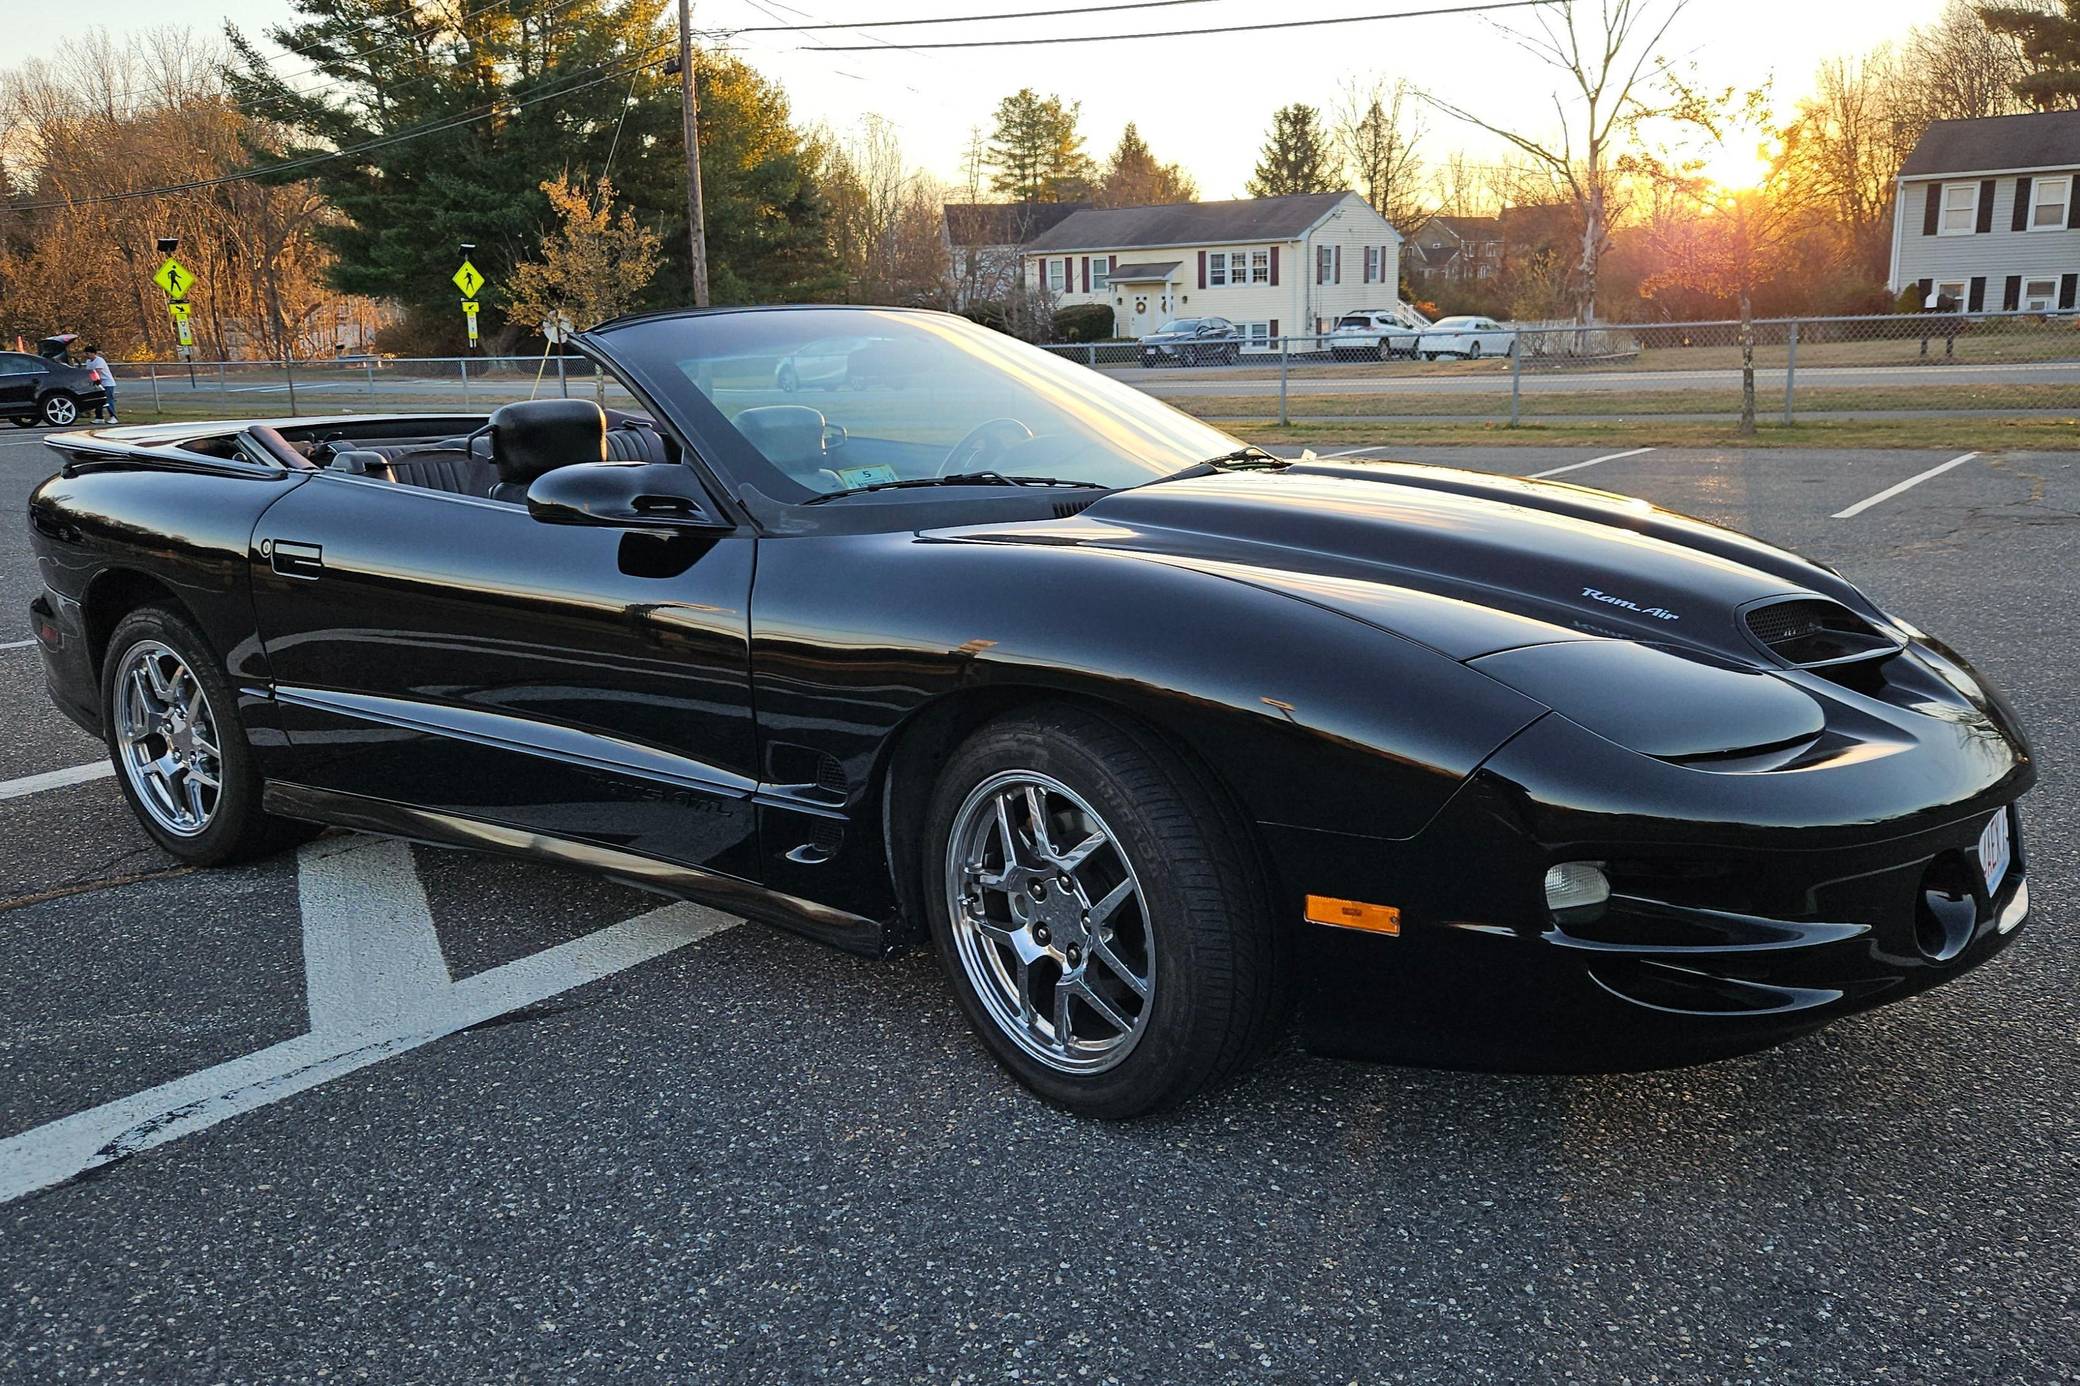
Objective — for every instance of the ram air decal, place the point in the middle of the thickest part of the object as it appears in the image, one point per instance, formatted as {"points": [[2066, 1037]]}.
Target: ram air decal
{"points": [[1658, 613]]}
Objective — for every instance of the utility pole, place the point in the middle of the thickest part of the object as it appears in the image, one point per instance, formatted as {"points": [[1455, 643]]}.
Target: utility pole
{"points": [[696, 228]]}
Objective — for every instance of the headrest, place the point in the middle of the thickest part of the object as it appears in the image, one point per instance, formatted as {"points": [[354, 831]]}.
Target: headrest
{"points": [[360, 462], [539, 435], [789, 435]]}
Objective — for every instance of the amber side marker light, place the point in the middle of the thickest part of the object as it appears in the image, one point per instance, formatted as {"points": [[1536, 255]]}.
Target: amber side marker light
{"points": [[1354, 914]]}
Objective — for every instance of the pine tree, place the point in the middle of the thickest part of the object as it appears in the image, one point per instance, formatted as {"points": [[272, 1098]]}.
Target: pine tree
{"points": [[1296, 156], [510, 96], [1135, 178], [1036, 151], [2050, 45]]}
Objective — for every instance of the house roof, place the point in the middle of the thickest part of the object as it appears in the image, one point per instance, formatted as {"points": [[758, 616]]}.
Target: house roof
{"points": [[1004, 223], [1470, 228], [1189, 223], [2049, 139], [1146, 269]]}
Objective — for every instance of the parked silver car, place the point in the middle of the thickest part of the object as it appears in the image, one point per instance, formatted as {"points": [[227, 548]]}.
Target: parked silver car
{"points": [[1376, 332]]}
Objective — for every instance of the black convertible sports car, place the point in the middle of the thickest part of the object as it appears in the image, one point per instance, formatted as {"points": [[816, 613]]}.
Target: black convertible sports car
{"points": [[1153, 734]]}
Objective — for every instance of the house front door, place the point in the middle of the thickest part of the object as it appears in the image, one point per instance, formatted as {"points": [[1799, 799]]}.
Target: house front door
{"points": [[1147, 307]]}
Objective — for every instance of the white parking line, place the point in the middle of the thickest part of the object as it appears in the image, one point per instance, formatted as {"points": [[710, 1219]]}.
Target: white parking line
{"points": [[55, 779], [370, 951], [341, 1044], [1594, 461], [17, 645], [1909, 484]]}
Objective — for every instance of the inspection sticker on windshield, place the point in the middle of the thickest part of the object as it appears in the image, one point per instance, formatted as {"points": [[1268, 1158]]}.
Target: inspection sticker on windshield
{"points": [[1994, 852], [855, 477]]}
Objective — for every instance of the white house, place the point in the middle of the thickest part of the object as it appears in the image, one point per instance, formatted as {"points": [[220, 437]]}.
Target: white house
{"points": [[1271, 265], [1988, 217], [984, 242]]}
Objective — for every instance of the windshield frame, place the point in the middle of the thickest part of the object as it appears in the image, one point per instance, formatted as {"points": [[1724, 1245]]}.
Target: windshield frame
{"points": [[758, 485]]}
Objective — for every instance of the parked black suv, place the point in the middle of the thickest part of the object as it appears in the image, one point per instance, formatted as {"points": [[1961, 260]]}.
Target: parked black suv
{"points": [[37, 390]]}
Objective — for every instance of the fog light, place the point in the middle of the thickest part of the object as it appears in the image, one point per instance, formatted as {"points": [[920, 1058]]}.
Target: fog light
{"points": [[1577, 889]]}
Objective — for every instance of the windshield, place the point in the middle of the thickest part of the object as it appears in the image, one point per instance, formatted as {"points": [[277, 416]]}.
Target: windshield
{"points": [[904, 396], [1354, 320], [1180, 325]]}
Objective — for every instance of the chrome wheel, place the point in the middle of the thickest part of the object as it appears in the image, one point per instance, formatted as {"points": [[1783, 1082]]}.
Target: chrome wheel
{"points": [[59, 410], [1049, 922], [166, 739]]}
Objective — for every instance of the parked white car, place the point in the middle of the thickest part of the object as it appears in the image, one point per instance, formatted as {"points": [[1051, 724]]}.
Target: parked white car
{"points": [[1377, 332], [1469, 337]]}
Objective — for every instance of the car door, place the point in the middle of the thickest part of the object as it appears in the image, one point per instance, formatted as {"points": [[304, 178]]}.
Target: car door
{"points": [[19, 377], [457, 655]]}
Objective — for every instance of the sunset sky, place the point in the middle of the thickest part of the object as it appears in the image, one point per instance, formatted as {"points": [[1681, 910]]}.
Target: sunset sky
{"points": [[1204, 100]]}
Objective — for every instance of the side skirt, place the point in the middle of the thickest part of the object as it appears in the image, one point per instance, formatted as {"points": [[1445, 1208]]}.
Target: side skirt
{"points": [[838, 928]]}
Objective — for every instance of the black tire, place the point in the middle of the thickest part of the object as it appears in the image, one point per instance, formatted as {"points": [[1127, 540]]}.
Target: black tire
{"points": [[58, 409], [1219, 983], [29, 422], [238, 829], [1473, 353]]}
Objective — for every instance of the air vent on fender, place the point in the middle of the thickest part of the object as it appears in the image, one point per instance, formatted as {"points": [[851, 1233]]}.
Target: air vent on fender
{"points": [[1063, 509], [1812, 632]]}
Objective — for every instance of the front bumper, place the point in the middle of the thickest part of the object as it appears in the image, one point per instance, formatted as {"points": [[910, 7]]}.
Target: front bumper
{"points": [[1759, 908]]}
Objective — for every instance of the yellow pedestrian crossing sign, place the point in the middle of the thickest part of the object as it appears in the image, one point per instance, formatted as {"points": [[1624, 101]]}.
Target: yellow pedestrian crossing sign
{"points": [[175, 278], [469, 279], [469, 311]]}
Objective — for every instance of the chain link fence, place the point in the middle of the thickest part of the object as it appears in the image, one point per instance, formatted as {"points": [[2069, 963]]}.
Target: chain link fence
{"points": [[355, 385], [1927, 364], [1902, 366]]}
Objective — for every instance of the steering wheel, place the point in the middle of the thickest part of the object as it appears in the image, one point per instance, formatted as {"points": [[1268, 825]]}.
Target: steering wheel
{"points": [[980, 442]]}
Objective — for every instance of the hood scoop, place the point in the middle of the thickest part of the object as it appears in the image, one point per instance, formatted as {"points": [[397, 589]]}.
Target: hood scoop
{"points": [[1813, 633]]}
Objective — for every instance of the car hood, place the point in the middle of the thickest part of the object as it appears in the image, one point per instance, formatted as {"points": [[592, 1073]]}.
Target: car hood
{"points": [[1466, 563]]}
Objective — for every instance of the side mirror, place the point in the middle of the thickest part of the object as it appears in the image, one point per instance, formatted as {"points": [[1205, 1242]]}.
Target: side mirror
{"points": [[622, 495]]}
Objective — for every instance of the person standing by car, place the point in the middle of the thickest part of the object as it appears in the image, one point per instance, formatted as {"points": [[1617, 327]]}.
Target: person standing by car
{"points": [[98, 364]]}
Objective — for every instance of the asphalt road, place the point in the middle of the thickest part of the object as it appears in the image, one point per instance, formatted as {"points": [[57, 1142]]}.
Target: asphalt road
{"points": [[731, 1155]]}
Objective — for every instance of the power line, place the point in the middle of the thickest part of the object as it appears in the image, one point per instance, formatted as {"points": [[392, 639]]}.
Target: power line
{"points": [[1196, 33], [969, 18], [593, 76]]}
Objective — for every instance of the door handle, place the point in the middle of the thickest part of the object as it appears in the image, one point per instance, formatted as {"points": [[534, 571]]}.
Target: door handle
{"points": [[298, 560]]}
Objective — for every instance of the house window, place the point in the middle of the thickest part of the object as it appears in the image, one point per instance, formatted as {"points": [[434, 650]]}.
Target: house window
{"points": [[2040, 295], [1324, 263], [1057, 275], [1960, 209], [1260, 267], [1101, 274], [2049, 200], [1217, 269], [1255, 335], [1950, 296]]}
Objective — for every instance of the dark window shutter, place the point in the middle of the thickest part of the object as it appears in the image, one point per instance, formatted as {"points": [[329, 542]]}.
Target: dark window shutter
{"points": [[2073, 206], [1986, 206], [1336, 265], [1977, 302], [2011, 294], [2069, 292], [1274, 321], [1932, 212], [2020, 221], [1086, 274], [1928, 293], [1274, 277], [1202, 269], [1111, 263]]}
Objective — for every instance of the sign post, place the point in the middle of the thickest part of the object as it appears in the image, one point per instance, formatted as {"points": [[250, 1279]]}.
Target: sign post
{"points": [[175, 279], [558, 327], [469, 279]]}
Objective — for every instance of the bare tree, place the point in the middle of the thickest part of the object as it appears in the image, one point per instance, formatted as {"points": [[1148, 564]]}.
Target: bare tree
{"points": [[1854, 133], [885, 222], [1609, 53], [1963, 69], [1377, 130]]}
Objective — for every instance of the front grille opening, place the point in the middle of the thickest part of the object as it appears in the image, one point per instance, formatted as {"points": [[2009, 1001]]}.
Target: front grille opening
{"points": [[1811, 632]]}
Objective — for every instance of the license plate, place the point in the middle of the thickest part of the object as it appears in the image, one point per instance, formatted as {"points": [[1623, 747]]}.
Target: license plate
{"points": [[1994, 852]]}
